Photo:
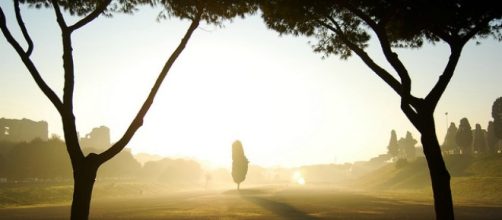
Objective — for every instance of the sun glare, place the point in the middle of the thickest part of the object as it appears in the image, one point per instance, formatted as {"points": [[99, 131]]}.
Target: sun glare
{"points": [[298, 178]]}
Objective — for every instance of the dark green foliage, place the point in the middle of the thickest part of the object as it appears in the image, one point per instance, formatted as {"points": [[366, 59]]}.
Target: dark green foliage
{"points": [[393, 147], [213, 11], [239, 163], [123, 165], [48, 160], [407, 146], [3, 166], [6, 146], [299, 17], [38, 159], [497, 117], [479, 141], [85, 167], [450, 142], [405, 23], [464, 136], [84, 7], [491, 139], [343, 27]]}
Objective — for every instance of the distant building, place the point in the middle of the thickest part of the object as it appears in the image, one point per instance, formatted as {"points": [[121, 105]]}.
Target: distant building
{"points": [[24, 130], [99, 139]]}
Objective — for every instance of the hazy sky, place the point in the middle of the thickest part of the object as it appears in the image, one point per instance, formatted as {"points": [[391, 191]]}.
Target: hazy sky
{"points": [[287, 105]]}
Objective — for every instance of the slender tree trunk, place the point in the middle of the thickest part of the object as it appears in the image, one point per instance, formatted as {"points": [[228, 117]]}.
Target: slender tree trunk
{"points": [[440, 178], [84, 177], [238, 186]]}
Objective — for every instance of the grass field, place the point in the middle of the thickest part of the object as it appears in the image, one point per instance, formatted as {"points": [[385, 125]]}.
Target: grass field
{"points": [[266, 202], [385, 193]]}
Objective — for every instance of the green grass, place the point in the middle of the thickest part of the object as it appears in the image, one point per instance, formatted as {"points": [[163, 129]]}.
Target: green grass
{"points": [[259, 203], [40, 193], [23, 194], [386, 193], [473, 179]]}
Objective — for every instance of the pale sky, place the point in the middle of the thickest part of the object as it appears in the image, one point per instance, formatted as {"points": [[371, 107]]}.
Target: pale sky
{"points": [[288, 106]]}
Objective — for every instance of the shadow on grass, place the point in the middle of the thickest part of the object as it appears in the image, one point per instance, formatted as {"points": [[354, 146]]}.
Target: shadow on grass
{"points": [[281, 209], [257, 191]]}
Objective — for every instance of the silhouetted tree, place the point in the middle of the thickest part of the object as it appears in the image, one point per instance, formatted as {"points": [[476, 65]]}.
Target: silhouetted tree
{"points": [[342, 28], [450, 142], [85, 166], [173, 171], [407, 146], [48, 160], [239, 163], [3, 165], [497, 117], [491, 139], [410, 143], [6, 146], [38, 159], [393, 146], [464, 136], [479, 140]]}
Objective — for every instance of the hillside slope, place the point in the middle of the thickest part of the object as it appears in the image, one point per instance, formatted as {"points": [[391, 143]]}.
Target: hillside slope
{"points": [[474, 179]]}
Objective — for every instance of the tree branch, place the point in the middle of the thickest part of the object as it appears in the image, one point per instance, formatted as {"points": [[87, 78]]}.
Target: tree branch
{"points": [[410, 113], [59, 15], [381, 72], [390, 55], [20, 22], [68, 64], [435, 94], [456, 46], [90, 17], [69, 71], [138, 120], [49, 93], [67, 116]]}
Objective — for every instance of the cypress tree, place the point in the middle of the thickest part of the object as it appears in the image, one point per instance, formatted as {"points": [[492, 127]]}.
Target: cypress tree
{"points": [[479, 142], [393, 147], [239, 163], [410, 146], [450, 143], [464, 136], [491, 139], [497, 117]]}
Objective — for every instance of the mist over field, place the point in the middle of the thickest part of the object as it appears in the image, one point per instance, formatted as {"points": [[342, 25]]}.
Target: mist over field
{"points": [[178, 188], [250, 109]]}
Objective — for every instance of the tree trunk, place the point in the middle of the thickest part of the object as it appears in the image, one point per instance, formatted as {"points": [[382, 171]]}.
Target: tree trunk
{"points": [[440, 178], [238, 186], [84, 177]]}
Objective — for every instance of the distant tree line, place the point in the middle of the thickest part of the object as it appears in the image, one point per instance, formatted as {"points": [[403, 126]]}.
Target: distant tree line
{"points": [[46, 161], [467, 141], [464, 140], [172, 171], [404, 148]]}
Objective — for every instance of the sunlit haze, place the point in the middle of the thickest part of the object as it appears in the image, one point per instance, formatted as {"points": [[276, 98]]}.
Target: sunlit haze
{"points": [[286, 104]]}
